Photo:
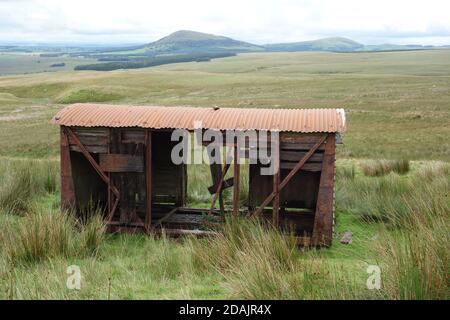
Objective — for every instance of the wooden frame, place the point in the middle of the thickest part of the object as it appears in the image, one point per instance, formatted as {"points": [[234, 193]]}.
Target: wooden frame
{"points": [[297, 154]]}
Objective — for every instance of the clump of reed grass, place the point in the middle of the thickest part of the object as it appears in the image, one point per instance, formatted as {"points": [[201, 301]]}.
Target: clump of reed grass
{"points": [[345, 172], [415, 262], [22, 180], [377, 168], [257, 261], [44, 235], [413, 246], [395, 200]]}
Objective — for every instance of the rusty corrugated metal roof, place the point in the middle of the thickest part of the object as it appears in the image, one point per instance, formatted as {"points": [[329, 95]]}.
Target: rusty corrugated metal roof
{"points": [[296, 120]]}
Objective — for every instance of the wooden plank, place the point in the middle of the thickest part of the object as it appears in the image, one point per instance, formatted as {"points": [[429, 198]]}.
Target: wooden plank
{"points": [[67, 184], [91, 149], [323, 222], [148, 179], [236, 181], [287, 155], [186, 232], [228, 183], [299, 146], [314, 166], [90, 131], [165, 217], [291, 174], [91, 140], [300, 137], [133, 136], [121, 163]]}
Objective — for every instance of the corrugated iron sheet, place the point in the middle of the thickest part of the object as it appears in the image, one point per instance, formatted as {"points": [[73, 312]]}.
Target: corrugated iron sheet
{"points": [[295, 120]]}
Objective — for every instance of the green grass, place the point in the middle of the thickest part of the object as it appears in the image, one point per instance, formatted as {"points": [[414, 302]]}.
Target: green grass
{"points": [[396, 102], [17, 63], [88, 95], [411, 250]]}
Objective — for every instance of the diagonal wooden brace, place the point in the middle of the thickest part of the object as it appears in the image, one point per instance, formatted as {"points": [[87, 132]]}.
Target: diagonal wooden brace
{"points": [[294, 170], [220, 184]]}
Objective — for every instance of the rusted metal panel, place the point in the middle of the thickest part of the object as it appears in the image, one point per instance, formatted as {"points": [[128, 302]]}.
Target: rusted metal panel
{"points": [[323, 223], [121, 163], [295, 120]]}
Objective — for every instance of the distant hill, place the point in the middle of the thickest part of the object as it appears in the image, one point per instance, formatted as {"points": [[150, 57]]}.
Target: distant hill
{"points": [[189, 46], [188, 42], [185, 40], [327, 44], [396, 47]]}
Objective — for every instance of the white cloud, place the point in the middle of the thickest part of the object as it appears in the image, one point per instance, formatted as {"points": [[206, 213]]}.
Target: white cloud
{"points": [[260, 21]]}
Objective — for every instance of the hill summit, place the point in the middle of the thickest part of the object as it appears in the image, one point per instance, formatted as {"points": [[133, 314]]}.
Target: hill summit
{"points": [[186, 41]]}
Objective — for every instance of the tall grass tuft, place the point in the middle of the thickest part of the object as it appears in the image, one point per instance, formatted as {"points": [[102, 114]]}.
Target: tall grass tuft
{"points": [[258, 262], [377, 168], [43, 235], [416, 261], [413, 246], [395, 200], [22, 180]]}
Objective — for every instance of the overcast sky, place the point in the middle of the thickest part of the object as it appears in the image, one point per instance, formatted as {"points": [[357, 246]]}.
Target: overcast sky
{"points": [[257, 21]]}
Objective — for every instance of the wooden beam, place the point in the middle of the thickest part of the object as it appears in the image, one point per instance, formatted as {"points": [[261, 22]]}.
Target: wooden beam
{"points": [[220, 184], [236, 181], [323, 220], [276, 190], [165, 217], [67, 184], [219, 188], [110, 162], [286, 180], [148, 179], [110, 204]]}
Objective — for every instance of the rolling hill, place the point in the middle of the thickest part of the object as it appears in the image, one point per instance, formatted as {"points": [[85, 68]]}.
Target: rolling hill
{"points": [[191, 41], [327, 44], [187, 46]]}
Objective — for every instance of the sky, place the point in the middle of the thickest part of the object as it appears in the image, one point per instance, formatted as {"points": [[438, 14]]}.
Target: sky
{"points": [[257, 21]]}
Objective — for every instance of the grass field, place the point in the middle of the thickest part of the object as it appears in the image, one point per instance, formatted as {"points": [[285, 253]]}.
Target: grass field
{"points": [[25, 63], [393, 182]]}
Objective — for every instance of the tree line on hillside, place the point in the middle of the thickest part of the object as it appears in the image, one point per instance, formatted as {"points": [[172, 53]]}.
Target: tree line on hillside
{"points": [[154, 61]]}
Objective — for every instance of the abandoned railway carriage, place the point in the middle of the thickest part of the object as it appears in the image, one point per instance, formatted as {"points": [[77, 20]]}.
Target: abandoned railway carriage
{"points": [[119, 157]]}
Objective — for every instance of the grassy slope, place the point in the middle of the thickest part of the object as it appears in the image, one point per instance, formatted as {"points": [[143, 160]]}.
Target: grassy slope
{"points": [[17, 63], [397, 103], [326, 44]]}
